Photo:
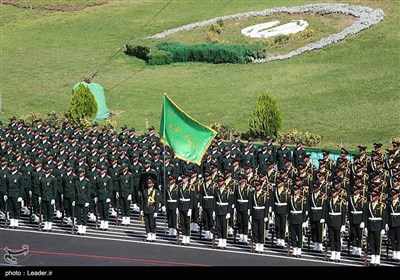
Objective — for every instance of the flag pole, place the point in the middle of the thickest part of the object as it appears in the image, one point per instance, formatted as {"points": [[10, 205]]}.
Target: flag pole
{"points": [[164, 171]]}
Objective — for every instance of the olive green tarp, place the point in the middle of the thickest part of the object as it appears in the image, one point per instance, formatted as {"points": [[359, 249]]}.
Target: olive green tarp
{"points": [[98, 92]]}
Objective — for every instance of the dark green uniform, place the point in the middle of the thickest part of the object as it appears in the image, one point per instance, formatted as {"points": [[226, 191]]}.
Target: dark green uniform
{"points": [[150, 202], [125, 191], [15, 189], [104, 191], [3, 186], [48, 190], [68, 186], [82, 195]]}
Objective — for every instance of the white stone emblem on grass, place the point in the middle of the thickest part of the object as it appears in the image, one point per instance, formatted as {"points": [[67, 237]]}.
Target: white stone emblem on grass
{"points": [[366, 18], [265, 30]]}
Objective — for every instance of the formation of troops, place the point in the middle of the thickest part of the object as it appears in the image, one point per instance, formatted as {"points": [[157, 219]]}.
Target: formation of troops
{"points": [[75, 175]]}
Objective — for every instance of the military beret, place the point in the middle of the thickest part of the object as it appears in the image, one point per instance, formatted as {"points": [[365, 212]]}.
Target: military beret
{"points": [[321, 161], [395, 143], [125, 165], [81, 170], [374, 193], [307, 156], [283, 142], [316, 184], [237, 134], [213, 164], [47, 167], [268, 138], [257, 179], [377, 145], [344, 151], [297, 187], [338, 180], [362, 148], [299, 142], [151, 128], [13, 164], [221, 178], [395, 191], [132, 129], [135, 155], [171, 177], [302, 165], [333, 190]]}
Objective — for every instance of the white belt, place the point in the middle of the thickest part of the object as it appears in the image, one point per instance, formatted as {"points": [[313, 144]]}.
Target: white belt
{"points": [[394, 214], [242, 200], [356, 212], [259, 207], [316, 208], [184, 199], [335, 213], [172, 200], [208, 197], [281, 204], [295, 212], [375, 219], [222, 203]]}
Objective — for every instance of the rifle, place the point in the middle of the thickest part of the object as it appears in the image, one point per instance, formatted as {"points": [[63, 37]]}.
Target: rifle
{"points": [[73, 220], [6, 210], [366, 252], [200, 222], [214, 234], [177, 229], [40, 216], [97, 216], [62, 209], [117, 208], [30, 207]]}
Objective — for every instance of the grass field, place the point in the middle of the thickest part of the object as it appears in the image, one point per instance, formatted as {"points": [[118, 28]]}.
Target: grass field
{"points": [[346, 92]]}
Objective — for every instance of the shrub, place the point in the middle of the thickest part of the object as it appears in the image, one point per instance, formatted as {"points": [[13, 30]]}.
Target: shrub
{"points": [[159, 57], [141, 52], [224, 130], [266, 118], [216, 28], [305, 34], [308, 138], [83, 105]]}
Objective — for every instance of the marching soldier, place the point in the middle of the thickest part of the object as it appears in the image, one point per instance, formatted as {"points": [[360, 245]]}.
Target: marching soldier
{"points": [[280, 200], [282, 154], [48, 190], [297, 219], [68, 192], [316, 203], [335, 214], [223, 202], [81, 202], [357, 211], [171, 204], [104, 191], [394, 222], [26, 171], [136, 169], [37, 176], [3, 186], [329, 163], [259, 203], [376, 225], [185, 205], [124, 193], [149, 207], [14, 193], [207, 203], [242, 201], [298, 154]]}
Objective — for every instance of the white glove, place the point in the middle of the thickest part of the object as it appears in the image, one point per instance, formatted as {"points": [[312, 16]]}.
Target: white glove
{"points": [[19, 199], [177, 211], [304, 225], [189, 213], [5, 198], [383, 232], [342, 228], [87, 204], [141, 213], [273, 216], [248, 212], [228, 216], [198, 205], [200, 209], [155, 215], [233, 206], [265, 219], [386, 227], [73, 203], [95, 200], [250, 219], [163, 209], [365, 232], [213, 215], [117, 195], [135, 207], [39, 200], [30, 193], [270, 209], [62, 196], [322, 221], [129, 197], [108, 200], [52, 202], [362, 225]]}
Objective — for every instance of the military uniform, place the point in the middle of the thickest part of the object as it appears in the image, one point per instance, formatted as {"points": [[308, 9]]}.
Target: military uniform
{"points": [[223, 203], [207, 203], [104, 189], [259, 204], [280, 200], [357, 210], [125, 192], [242, 202], [171, 203], [317, 200], [48, 189], [394, 223], [150, 201], [68, 191], [185, 205], [297, 217], [82, 196], [334, 213], [15, 189]]}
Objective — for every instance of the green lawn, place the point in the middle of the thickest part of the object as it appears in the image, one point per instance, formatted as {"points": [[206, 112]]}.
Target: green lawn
{"points": [[346, 92]]}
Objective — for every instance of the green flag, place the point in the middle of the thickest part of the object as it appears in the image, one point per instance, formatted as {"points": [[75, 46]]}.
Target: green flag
{"points": [[188, 138]]}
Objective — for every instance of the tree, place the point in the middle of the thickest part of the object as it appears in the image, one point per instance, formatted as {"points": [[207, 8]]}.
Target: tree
{"points": [[83, 105], [266, 118]]}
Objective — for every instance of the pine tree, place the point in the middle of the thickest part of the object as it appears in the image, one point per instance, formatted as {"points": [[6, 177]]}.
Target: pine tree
{"points": [[266, 118], [83, 105]]}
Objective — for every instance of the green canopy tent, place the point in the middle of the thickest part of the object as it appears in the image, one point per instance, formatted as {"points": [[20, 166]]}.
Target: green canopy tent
{"points": [[98, 92]]}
